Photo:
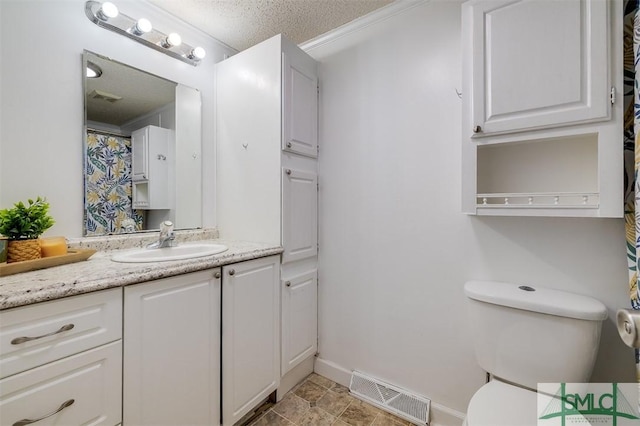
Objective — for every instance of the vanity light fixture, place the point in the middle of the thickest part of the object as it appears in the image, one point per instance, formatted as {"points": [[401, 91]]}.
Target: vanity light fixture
{"points": [[93, 70], [107, 11], [172, 40], [106, 15], [197, 54], [141, 26]]}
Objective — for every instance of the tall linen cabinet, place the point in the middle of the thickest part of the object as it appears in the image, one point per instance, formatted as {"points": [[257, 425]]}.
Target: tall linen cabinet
{"points": [[267, 181]]}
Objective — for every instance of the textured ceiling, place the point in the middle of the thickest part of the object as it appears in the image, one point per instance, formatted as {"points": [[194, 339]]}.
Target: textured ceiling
{"points": [[244, 23], [139, 92]]}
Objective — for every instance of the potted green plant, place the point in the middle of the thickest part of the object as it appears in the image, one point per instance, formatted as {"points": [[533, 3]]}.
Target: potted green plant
{"points": [[23, 224]]}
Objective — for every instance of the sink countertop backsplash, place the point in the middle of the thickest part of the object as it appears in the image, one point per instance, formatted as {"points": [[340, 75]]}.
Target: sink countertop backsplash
{"points": [[100, 272], [139, 240]]}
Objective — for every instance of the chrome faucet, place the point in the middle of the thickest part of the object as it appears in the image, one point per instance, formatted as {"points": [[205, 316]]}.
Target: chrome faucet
{"points": [[166, 237]]}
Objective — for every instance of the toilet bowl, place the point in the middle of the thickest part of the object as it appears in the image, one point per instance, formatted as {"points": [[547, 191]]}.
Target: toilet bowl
{"points": [[524, 336], [501, 404]]}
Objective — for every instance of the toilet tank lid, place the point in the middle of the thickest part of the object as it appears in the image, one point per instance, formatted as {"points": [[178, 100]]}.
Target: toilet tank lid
{"points": [[537, 299]]}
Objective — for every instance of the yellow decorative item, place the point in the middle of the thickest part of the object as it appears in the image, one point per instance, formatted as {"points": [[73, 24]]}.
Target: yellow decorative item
{"points": [[53, 246], [21, 250]]}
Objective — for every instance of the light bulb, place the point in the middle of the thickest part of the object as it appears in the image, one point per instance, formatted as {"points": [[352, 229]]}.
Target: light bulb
{"points": [[107, 11], [142, 26], [93, 70], [172, 40], [197, 53]]}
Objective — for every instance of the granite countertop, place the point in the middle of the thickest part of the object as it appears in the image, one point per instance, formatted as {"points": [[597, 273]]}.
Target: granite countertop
{"points": [[100, 272]]}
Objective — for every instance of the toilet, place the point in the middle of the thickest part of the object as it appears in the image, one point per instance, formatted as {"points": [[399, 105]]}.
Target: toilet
{"points": [[524, 336]]}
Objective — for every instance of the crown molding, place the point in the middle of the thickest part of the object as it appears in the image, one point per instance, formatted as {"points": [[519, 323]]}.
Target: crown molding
{"points": [[378, 15]]}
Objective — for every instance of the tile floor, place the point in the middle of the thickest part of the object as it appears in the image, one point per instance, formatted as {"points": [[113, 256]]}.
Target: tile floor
{"points": [[318, 401]]}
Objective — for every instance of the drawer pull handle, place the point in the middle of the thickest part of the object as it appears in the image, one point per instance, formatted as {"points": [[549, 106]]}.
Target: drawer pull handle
{"points": [[64, 405], [19, 340]]}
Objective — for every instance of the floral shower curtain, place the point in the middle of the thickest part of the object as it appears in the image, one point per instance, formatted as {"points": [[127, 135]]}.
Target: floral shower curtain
{"points": [[632, 148], [108, 200]]}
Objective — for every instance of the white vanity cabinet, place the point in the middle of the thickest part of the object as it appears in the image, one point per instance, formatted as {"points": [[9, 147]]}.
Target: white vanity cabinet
{"points": [[160, 356], [152, 167], [542, 108], [250, 335], [172, 350], [268, 172], [61, 361]]}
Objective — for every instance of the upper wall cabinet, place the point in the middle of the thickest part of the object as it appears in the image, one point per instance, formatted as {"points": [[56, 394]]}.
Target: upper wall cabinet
{"points": [[538, 64], [300, 105], [153, 168], [542, 128], [267, 123]]}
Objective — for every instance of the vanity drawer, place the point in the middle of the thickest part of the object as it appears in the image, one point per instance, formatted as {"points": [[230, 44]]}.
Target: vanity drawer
{"points": [[37, 334], [81, 389]]}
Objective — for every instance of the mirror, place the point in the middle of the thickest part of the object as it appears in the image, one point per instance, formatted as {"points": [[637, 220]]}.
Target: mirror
{"points": [[141, 150]]}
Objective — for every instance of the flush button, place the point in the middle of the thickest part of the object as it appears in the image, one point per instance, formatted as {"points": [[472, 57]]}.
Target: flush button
{"points": [[526, 288]]}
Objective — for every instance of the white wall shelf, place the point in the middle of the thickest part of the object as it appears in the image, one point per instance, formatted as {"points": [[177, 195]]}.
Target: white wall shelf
{"points": [[540, 136]]}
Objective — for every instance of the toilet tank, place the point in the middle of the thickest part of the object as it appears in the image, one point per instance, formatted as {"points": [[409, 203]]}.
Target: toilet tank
{"points": [[530, 335]]}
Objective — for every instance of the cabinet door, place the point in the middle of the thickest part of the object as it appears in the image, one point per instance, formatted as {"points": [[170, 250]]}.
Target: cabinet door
{"points": [[250, 335], [172, 351], [159, 161], [81, 389], [299, 215], [153, 164], [300, 104], [536, 64], [299, 319], [139, 155]]}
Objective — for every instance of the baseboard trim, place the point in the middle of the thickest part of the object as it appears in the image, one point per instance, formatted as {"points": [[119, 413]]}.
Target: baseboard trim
{"points": [[440, 415], [445, 416], [332, 371]]}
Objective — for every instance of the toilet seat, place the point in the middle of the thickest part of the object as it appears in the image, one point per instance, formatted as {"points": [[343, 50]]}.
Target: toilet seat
{"points": [[501, 404]]}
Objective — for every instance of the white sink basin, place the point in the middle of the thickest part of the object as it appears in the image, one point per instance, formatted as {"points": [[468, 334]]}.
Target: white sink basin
{"points": [[181, 252]]}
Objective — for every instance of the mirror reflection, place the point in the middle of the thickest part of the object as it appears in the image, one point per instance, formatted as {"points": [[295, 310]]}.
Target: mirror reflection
{"points": [[141, 150]]}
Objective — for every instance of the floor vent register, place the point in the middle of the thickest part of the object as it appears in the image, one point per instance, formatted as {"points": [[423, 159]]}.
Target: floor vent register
{"points": [[390, 398]]}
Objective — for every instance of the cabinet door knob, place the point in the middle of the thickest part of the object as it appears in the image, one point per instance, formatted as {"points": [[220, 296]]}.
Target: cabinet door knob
{"points": [[288, 283], [288, 171], [477, 129], [289, 144], [64, 405], [232, 271], [24, 339], [217, 275]]}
